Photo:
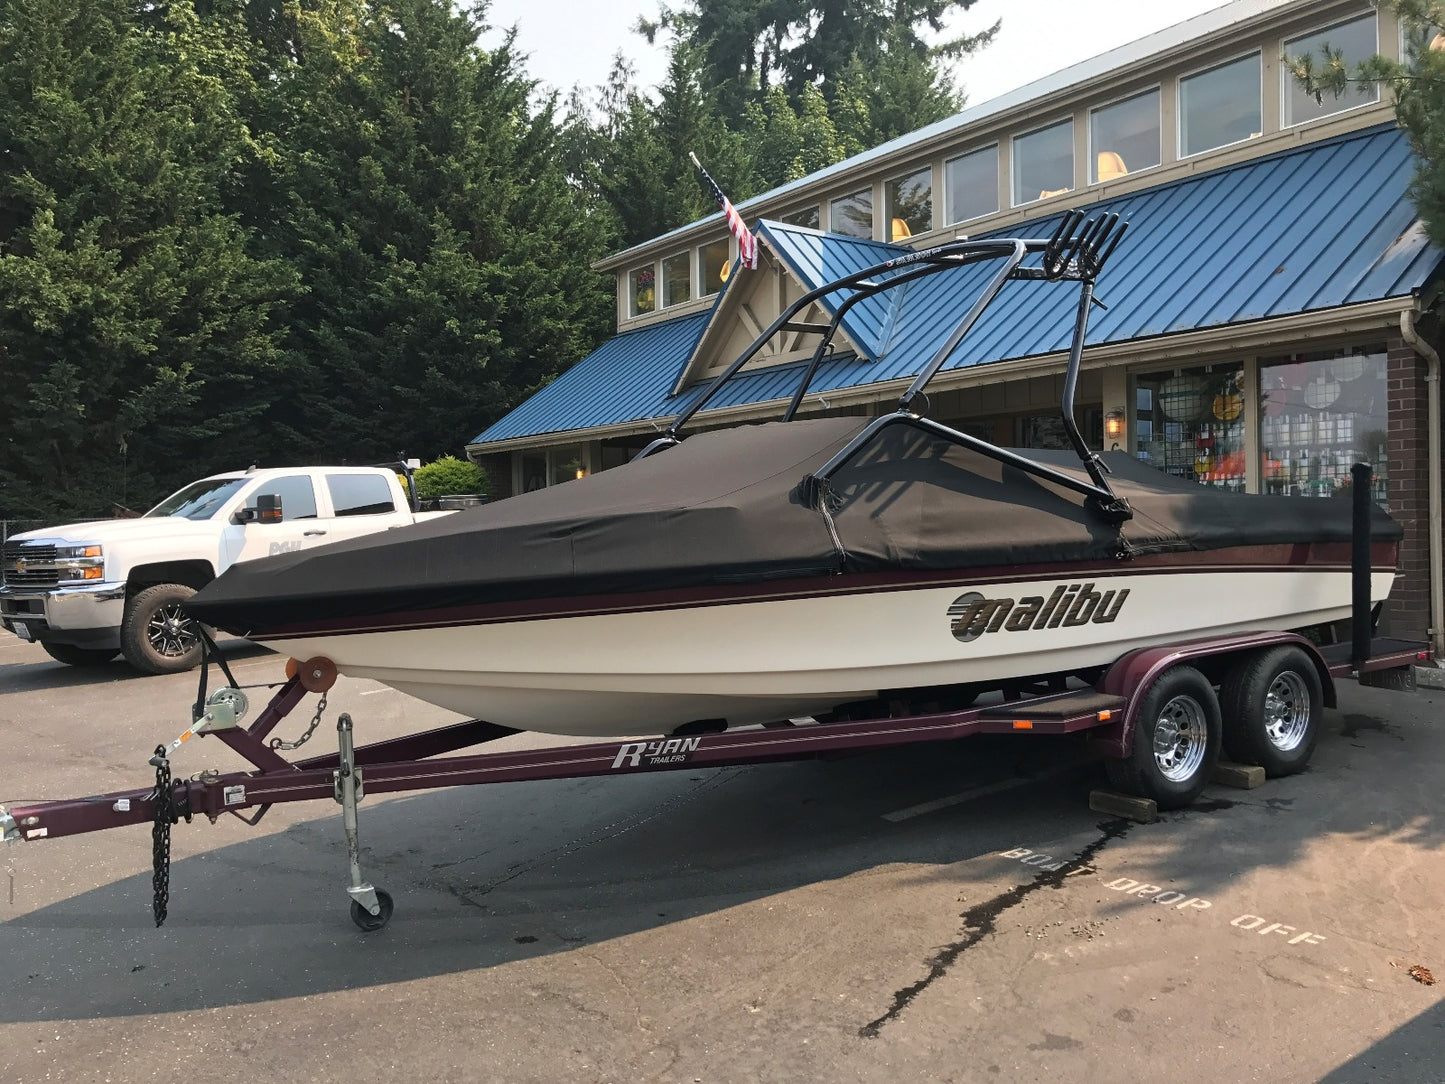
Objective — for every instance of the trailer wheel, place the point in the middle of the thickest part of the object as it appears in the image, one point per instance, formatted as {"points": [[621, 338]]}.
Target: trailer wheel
{"points": [[366, 920], [1272, 702], [156, 636], [79, 656], [1176, 740]]}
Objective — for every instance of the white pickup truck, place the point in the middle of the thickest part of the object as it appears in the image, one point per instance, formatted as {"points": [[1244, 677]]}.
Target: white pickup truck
{"points": [[88, 591]]}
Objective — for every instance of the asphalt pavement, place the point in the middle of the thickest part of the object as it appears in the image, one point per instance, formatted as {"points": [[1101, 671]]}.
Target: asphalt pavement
{"points": [[951, 913]]}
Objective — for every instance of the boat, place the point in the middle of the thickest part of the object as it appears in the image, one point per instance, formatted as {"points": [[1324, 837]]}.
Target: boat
{"points": [[801, 567]]}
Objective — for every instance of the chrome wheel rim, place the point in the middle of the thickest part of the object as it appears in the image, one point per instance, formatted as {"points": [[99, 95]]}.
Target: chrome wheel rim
{"points": [[1180, 738], [1287, 711], [170, 633]]}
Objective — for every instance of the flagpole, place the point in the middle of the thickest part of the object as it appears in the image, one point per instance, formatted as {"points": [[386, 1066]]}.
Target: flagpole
{"points": [[747, 242]]}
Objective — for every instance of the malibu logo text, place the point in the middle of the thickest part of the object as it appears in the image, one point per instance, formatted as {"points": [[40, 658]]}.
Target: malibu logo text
{"points": [[1068, 607]]}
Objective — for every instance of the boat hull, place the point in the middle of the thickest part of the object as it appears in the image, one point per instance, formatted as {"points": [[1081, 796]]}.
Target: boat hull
{"points": [[654, 665]]}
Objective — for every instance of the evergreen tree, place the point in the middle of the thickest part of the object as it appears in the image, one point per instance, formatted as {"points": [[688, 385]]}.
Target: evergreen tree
{"points": [[804, 84], [135, 329], [898, 90], [642, 149], [750, 46], [789, 143], [444, 252]]}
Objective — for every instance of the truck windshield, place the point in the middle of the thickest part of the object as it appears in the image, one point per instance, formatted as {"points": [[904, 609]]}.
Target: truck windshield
{"points": [[199, 500]]}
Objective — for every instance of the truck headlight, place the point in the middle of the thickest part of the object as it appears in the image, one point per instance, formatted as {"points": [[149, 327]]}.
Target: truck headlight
{"points": [[79, 562]]}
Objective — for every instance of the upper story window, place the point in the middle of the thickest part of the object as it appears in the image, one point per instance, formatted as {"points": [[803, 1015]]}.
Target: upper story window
{"points": [[1221, 105], [1415, 41], [1044, 162], [852, 215], [1124, 137], [677, 279], [909, 201], [715, 261], [807, 217], [970, 185], [641, 290], [1355, 40]]}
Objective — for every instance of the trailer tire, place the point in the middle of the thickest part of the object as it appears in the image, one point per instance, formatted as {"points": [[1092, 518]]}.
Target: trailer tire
{"points": [[1272, 702], [79, 656], [1176, 740], [156, 637]]}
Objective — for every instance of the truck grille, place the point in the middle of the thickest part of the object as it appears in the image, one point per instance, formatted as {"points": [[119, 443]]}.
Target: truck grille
{"points": [[27, 565]]}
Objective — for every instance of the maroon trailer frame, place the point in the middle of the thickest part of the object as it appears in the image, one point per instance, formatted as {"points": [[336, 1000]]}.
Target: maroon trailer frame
{"points": [[1108, 710]]}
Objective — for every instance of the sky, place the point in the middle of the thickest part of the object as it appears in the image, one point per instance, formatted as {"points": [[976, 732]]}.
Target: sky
{"points": [[574, 41]]}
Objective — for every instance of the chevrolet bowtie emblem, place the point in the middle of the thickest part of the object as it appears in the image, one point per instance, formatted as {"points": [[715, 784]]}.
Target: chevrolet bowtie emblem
{"points": [[18, 566]]}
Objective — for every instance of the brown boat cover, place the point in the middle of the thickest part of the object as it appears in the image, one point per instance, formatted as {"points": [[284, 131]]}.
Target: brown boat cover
{"points": [[724, 508]]}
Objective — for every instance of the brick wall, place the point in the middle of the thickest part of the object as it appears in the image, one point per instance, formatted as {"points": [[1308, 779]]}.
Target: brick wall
{"points": [[1408, 612], [499, 474]]}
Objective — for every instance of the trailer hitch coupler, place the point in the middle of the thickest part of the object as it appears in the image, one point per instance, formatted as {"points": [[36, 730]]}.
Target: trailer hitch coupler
{"points": [[9, 830]]}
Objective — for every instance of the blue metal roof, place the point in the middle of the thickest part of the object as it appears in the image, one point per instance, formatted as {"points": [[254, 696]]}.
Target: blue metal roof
{"points": [[1320, 227]]}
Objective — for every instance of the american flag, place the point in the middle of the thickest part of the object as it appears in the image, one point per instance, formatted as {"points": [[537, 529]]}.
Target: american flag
{"points": [[747, 243]]}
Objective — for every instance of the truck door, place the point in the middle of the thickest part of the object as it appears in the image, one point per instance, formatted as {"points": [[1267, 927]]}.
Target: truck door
{"points": [[300, 527]]}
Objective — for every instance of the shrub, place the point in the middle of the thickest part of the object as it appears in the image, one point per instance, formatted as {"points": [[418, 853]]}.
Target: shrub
{"points": [[449, 475]]}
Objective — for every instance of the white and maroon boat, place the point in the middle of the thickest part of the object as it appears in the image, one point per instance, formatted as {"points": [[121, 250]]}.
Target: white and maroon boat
{"points": [[780, 570]]}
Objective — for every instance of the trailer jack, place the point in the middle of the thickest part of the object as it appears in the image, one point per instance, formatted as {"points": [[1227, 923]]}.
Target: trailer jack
{"points": [[370, 907]]}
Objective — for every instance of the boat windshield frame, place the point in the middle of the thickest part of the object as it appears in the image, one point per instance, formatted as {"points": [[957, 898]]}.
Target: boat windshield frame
{"points": [[1076, 252]]}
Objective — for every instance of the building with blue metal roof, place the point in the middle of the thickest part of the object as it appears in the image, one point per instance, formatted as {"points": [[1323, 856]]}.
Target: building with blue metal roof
{"points": [[1269, 313]]}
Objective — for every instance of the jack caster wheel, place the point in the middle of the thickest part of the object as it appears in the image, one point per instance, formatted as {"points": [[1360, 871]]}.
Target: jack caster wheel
{"points": [[366, 920]]}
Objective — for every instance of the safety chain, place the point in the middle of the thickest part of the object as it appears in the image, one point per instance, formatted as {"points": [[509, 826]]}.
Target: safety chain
{"points": [[161, 838], [281, 743]]}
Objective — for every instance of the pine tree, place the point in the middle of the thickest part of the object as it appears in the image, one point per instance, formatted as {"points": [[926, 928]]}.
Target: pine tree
{"points": [[135, 329], [444, 253]]}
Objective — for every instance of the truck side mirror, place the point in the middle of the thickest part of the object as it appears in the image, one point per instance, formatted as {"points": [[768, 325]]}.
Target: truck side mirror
{"points": [[268, 507]]}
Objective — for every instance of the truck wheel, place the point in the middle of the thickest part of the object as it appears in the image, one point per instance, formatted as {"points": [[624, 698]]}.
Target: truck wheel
{"points": [[79, 656], [1176, 740], [156, 637], [1272, 701]]}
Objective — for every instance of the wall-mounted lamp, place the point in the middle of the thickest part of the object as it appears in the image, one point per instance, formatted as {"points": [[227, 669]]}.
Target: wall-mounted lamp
{"points": [[1114, 424]]}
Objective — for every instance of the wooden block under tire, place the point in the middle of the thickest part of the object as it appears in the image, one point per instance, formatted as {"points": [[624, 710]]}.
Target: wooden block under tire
{"points": [[1243, 776], [1128, 806]]}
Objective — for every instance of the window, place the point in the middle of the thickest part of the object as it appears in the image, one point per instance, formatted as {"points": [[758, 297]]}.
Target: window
{"points": [[807, 217], [1044, 163], [910, 204], [1220, 106], [852, 216], [359, 494], [1355, 40], [1416, 38], [676, 279], [1047, 430], [298, 496], [970, 185], [715, 261], [567, 464], [534, 471], [1124, 137], [199, 500], [1320, 413], [1190, 423], [642, 292]]}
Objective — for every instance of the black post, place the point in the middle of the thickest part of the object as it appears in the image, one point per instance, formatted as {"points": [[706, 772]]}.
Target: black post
{"points": [[1360, 477]]}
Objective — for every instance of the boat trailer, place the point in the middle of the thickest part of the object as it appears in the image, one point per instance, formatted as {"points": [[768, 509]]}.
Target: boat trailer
{"points": [[1110, 711]]}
